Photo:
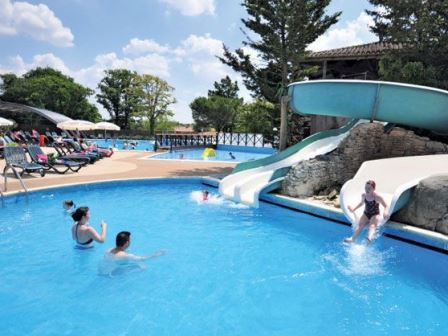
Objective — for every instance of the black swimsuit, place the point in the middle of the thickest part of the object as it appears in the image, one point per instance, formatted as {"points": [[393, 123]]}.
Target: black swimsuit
{"points": [[76, 235], [372, 208]]}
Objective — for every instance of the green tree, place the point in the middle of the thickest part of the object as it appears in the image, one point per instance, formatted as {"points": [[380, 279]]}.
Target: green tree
{"points": [[215, 111], [225, 88], [119, 95], [283, 29], [255, 118], [420, 28], [155, 97], [49, 89]]}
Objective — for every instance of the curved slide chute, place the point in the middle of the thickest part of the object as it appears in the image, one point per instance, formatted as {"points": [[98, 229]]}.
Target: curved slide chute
{"points": [[397, 103], [250, 178], [394, 180], [405, 104]]}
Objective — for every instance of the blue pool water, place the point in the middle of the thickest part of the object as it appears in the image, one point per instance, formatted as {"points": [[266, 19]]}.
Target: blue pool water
{"points": [[196, 154], [228, 270], [142, 145]]}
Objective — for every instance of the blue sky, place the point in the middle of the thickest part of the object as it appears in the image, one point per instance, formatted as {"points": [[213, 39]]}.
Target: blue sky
{"points": [[174, 39]]}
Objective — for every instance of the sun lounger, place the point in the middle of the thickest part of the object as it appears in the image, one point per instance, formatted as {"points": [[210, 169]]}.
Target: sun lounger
{"points": [[15, 158], [60, 166], [85, 159]]}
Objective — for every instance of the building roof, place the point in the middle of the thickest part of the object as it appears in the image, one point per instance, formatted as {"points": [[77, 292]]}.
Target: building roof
{"points": [[7, 107], [357, 52]]}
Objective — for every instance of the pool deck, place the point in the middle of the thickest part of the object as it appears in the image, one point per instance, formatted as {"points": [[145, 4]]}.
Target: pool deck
{"points": [[122, 165]]}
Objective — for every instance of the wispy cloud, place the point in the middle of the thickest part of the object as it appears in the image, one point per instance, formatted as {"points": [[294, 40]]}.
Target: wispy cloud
{"points": [[192, 7]]}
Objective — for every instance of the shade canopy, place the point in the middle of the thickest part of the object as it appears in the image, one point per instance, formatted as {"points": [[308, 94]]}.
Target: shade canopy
{"points": [[76, 125], [5, 122], [107, 126]]}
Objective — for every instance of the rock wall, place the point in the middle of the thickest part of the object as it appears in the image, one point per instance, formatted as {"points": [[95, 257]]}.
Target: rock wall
{"points": [[365, 142], [428, 206]]}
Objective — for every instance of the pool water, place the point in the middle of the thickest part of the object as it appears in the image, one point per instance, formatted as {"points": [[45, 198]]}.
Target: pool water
{"points": [[228, 270], [197, 154], [142, 145]]}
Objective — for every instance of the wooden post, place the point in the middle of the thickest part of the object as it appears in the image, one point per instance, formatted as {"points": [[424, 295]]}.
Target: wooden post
{"points": [[283, 122], [324, 70]]}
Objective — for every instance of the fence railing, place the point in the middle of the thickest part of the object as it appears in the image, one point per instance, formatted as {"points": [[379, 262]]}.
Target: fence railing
{"points": [[195, 140]]}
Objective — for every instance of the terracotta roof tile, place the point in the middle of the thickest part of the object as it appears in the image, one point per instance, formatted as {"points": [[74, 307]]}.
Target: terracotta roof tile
{"points": [[362, 51]]}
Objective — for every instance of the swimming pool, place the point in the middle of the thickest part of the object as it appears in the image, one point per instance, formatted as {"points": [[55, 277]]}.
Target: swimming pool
{"points": [[229, 270], [142, 145], [221, 155]]}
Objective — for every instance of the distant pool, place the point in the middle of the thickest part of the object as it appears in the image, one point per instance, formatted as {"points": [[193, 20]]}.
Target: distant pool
{"points": [[141, 145], [221, 155]]}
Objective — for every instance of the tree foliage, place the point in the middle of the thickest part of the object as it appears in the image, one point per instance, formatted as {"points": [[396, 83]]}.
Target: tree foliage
{"points": [[283, 30], [255, 118], [119, 95], [421, 27], [155, 97], [215, 111], [225, 88], [49, 89]]}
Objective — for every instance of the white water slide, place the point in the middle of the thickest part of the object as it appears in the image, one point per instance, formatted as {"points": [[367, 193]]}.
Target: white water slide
{"points": [[394, 180], [250, 178]]}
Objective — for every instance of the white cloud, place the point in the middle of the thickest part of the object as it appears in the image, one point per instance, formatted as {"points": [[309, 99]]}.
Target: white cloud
{"points": [[139, 47], [192, 7], [355, 32], [198, 44], [18, 66], [37, 21]]}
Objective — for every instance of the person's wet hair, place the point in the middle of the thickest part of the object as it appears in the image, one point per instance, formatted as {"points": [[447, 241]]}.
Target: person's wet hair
{"points": [[69, 202], [122, 238], [372, 183], [80, 213]]}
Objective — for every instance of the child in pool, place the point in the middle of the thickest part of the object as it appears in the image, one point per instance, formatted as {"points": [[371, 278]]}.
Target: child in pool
{"points": [[205, 195], [232, 156], [371, 214], [69, 206]]}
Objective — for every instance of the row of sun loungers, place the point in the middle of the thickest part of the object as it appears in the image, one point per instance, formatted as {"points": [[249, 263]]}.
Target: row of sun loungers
{"points": [[70, 155]]}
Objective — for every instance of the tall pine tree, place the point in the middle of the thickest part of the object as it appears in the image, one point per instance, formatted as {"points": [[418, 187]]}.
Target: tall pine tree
{"points": [[282, 30], [421, 27]]}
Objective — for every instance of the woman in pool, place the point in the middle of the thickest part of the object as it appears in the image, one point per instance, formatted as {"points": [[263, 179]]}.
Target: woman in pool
{"points": [[82, 233], [371, 214]]}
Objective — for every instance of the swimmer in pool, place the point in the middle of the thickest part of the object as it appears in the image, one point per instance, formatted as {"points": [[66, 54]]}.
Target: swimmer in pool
{"points": [[232, 156], [122, 242], [69, 206], [205, 195], [82, 233]]}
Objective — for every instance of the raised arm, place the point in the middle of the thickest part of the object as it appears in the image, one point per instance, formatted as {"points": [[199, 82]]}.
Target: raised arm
{"points": [[95, 236]]}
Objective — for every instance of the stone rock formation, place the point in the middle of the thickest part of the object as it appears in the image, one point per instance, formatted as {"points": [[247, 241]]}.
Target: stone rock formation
{"points": [[428, 206], [365, 142]]}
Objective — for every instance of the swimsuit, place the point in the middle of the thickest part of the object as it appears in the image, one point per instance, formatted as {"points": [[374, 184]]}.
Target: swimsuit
{"points": [[85, 244], [372, 208]]}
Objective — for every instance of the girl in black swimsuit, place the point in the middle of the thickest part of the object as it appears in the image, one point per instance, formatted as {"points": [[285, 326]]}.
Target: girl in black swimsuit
{"points": [[82, 233], [371, 214]]}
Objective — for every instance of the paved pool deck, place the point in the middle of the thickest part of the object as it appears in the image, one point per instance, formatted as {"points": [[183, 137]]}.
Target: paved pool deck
{"points": [[122, 165]]}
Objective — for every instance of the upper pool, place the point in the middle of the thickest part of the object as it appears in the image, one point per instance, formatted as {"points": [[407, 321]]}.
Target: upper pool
{"points": [[141, 145], [222, 153], [229, 270]]}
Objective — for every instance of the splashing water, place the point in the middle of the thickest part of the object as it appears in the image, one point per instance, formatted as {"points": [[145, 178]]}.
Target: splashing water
{"points": [[215, 200]]}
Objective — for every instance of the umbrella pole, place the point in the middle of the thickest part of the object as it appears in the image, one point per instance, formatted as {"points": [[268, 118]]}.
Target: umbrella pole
{"points": [[104, 134]]}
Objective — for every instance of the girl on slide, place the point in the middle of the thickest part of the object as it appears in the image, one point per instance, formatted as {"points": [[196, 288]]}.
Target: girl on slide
{"points": [[371, 215]]}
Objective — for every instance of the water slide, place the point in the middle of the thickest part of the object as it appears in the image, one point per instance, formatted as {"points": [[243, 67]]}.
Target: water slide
{"points": [[394, 179], [405, 104], [251, 178]]}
